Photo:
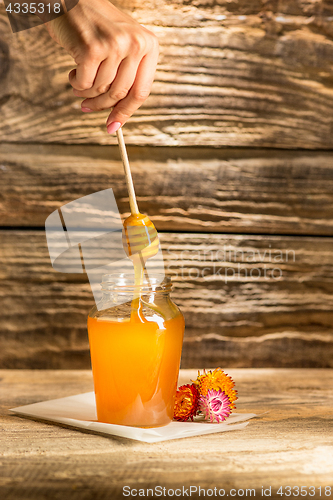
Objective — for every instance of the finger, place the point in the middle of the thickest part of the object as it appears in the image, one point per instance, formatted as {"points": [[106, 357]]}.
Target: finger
{"points": [[119, 89], [83, 77], [106, 73], [137, 95]]}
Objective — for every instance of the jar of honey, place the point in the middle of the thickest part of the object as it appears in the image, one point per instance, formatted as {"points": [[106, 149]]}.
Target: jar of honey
{"points": [[135, 338]]}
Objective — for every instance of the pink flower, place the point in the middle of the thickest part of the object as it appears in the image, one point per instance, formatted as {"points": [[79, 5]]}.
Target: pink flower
{"points": [[215, 406]]}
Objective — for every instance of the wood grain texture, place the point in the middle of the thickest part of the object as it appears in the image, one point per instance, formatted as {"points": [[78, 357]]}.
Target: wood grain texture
{"points": [[259, 79], [289, 444], [247, 301], [185, 189], [243, 74], [320, 8]]}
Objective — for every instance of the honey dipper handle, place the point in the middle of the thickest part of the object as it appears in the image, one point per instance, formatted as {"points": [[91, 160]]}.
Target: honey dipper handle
{"points": [[128, 175]]}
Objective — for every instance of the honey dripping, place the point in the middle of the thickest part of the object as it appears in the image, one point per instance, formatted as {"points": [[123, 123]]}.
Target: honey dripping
{"points": [[140, 238], [140, 242]]}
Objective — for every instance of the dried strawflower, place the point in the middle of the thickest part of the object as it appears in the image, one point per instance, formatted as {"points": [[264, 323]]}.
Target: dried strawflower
{"points": [[219, 381], [215, 405], [186, 402]]}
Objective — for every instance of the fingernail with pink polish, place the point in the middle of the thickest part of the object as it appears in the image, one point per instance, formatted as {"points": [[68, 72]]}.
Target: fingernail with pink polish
{"points": [[113, 127], [86, 110]]}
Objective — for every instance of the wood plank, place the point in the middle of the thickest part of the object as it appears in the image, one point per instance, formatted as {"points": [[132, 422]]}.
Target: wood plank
{"points": [[321, 8], [186, 189], [289, 444], [254, 80], [247, 301]]}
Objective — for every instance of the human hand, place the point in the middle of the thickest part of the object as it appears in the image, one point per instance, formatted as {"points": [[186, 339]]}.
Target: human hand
{"points": [[116, 58]]}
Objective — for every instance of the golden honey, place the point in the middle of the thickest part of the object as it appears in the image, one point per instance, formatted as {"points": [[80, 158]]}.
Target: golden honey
{"points": [[135, 364]]}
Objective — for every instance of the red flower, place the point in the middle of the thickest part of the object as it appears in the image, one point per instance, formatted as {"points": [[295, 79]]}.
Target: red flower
{"points": [[186, 402]]}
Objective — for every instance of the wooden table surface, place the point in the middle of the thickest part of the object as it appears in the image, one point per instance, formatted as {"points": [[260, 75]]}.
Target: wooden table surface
{"points": [[291, 444]]}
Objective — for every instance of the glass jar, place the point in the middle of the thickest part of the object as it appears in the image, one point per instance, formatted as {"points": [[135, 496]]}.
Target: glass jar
{"points": [[135, 337]]}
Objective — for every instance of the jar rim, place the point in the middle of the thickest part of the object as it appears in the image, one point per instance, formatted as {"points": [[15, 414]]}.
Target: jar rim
{"points": [[125, 282]]}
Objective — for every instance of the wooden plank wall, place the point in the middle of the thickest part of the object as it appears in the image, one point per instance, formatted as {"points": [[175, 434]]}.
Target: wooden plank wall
{"points": [[231, 158]]}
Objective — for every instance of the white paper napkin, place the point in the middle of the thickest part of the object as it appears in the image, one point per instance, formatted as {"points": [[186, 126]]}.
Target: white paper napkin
{"points": [[80, 412]]}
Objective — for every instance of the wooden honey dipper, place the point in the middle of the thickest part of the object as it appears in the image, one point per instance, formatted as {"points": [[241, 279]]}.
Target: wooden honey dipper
{"points": [[140, 238]]}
